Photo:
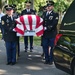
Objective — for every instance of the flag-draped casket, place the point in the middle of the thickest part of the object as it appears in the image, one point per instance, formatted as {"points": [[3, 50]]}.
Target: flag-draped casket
{"points": [[28, 25]]}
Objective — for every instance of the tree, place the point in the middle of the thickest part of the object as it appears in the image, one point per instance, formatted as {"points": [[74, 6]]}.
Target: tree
{"points": [[38, 4], [61, 6]]}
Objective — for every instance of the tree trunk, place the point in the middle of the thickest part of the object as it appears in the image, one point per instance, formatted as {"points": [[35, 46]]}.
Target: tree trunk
{"points": [[32, 4], [2, 3]]}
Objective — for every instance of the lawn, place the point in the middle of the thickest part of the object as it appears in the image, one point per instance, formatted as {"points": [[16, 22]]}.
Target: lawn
{"points": [[36, 40]]}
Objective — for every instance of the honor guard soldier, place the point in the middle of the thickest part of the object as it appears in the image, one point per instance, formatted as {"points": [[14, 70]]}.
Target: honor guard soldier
{"points": [[16, 15], [50, 30], [8, 23], [28, 11]]}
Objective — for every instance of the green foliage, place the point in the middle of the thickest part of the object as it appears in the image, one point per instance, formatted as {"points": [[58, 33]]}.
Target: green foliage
{"points": [[38, 4], [36, 40], [61, 5]]}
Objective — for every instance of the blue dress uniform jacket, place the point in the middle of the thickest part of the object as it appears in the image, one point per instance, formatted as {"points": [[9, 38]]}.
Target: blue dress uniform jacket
{"points": [[8, 24], [50, 22], [25, 12]]}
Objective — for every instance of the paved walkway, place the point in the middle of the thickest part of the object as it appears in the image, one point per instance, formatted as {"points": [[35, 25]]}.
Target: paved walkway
{"points": [[27, 64]]}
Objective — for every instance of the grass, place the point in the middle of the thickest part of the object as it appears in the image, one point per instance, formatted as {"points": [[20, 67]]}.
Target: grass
{"points": [[36, 40]]}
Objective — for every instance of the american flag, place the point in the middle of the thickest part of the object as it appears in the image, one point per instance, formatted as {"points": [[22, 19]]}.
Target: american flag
{"points": [[29, 22]]}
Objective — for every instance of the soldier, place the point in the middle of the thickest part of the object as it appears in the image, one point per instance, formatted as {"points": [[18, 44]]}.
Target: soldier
{"points": [[44, 10], [8, 23], [17, 15], [25, 12], [50, 26]]}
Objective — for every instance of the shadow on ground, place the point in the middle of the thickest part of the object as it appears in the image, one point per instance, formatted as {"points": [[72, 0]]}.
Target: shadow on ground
{"points": [[27, 64]]}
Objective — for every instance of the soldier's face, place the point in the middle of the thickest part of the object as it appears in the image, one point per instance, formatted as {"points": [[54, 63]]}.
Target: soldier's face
{"points": [[50, 8], [9, 12], [28, 6], [47, 8]]}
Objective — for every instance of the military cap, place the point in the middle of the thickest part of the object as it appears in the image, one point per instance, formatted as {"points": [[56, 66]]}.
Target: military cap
{"points": [[28, 3], [50, 3], [14, 5], [8, 7]]}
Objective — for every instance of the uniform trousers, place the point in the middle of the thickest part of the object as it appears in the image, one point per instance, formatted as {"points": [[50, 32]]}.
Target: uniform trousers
{"points": [[11, 51], [26, 42], [18, 46], [46, 43]]}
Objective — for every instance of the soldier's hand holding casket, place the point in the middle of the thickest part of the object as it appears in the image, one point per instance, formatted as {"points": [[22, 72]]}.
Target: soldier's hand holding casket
{"points": [[11, 28], [45, 28]]}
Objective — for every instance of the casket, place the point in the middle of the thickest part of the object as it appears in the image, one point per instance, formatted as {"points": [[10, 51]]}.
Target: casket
{"points": [[29, 25]]}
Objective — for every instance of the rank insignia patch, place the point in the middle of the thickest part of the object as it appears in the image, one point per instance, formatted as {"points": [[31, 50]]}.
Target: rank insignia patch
{"points": [[56, 18], [2, 22]]}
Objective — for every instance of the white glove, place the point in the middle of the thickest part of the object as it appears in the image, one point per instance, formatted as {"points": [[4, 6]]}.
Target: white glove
{"points": [[45, 28]]}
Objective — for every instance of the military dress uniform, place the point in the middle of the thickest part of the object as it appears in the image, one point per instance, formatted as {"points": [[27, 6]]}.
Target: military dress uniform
{"points": [[10, 37], [50, 27], [18, 38], [28, 12]]}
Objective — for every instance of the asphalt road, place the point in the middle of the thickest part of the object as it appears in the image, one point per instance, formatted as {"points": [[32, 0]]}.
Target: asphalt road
{"points": [[27, 64]]}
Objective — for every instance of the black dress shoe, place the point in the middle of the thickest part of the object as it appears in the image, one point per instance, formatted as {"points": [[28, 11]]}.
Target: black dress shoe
{"points": [[46, 62], [13, 63], [25, 50], [42, 55], [31, 50], [50, 63], [9, 63]]}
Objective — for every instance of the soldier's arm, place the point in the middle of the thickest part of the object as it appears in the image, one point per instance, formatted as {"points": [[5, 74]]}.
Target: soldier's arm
{"points": [[21, 13], [34, 12], [3, 24]]}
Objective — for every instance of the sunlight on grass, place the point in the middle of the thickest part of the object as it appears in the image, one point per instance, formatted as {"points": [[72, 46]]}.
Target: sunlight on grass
{"points": [[36, 40]]}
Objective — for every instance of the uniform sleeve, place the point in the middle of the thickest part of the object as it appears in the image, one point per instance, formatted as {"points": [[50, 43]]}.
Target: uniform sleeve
{"points": [[3, 24], [54, 23], [22, 13], [43, 15], [34, 12]]}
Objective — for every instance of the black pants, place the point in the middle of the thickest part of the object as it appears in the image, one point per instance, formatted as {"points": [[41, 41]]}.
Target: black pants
{"points": [[26, 42]]}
